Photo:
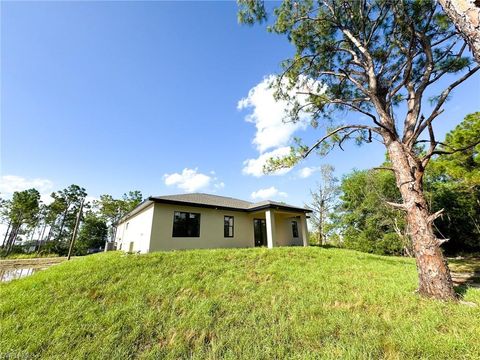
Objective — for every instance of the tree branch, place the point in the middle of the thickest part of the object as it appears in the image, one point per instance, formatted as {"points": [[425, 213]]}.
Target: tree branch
{"points": [[337, 130], [435, 215], [385, 168], [397, 205], [443, 97]]}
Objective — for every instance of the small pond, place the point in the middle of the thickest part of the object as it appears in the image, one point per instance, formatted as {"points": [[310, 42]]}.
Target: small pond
{"points": [[8, 274], [12, 269]]}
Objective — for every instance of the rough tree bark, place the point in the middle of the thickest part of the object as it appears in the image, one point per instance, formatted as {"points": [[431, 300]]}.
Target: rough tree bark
{"points": [[465, 14], [433, 272], [382, 55]]}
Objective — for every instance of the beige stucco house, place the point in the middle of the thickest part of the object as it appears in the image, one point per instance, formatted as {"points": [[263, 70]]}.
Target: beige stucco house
{"points": [[195, 221]]}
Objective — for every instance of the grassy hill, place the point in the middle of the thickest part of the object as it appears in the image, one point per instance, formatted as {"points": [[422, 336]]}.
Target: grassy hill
{"points": [[252, 304]]}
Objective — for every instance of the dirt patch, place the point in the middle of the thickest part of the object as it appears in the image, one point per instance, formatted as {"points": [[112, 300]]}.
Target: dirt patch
{"points": [[35, 262], [465, 271]]}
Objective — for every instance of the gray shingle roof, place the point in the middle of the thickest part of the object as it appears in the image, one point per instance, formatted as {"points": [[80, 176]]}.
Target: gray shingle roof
{"points": [[206, 199], [222, 201], [212, 201]]}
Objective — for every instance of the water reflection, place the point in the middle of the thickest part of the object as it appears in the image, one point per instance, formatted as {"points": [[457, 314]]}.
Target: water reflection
{"points": [[17, 273]]}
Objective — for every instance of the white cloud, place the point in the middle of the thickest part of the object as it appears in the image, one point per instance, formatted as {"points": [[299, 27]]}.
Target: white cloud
{"points": [[46, 198], [219, 185], [190, 180], [307, 171], [268, 116], [11, 183], [255, 166], [267, 193]]}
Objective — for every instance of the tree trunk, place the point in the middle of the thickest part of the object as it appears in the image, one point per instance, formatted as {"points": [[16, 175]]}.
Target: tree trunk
{"points": [[320, 230], [40, 239], [62, 224], [49, 235], [465, 14], [6, 234], [433, 272], [32, 233], [11, 238], [114, 233]]}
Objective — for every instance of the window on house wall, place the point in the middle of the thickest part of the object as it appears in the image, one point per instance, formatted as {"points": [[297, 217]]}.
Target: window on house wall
{"points": [[186, 224], [228, 226], [295, 229]]}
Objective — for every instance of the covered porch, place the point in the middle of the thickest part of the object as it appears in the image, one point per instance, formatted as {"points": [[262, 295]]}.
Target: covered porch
{"points": [[280, 227]]}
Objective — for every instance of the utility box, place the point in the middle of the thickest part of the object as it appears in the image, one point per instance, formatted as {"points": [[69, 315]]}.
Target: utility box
{"points": [[110, 246]]}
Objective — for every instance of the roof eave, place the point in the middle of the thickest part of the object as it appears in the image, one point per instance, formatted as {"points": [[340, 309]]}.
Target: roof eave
{"points": [[144, 204], [279, 207], [219, 207]]}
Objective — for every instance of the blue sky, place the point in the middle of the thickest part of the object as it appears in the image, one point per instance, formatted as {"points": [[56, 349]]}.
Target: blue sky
{"points": [[117, 96]]}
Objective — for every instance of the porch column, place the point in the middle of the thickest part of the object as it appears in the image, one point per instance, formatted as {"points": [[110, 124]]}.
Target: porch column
{"points": [[270, 222], [303, 221]]}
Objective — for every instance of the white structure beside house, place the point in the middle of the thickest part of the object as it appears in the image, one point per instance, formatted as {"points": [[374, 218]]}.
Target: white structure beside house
{"points": [[195, 221]]}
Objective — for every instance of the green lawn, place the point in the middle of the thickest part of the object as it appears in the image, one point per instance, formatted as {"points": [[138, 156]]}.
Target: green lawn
{"points": [[283, 303]]}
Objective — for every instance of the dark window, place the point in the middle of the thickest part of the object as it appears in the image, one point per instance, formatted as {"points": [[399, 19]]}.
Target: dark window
{"points": [[295, 229], [186, 224], [228, 226]]}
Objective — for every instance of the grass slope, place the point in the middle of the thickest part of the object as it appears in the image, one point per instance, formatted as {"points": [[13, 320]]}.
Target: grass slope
{"points": [[252, 304]]}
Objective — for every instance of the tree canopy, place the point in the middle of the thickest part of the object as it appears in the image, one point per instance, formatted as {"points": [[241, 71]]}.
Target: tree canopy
{"points": [[377, 59], [366, 223], [369, 58]]}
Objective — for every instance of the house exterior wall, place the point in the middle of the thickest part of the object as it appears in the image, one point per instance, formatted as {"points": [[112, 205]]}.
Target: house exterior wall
{"points": [[152, 229], [211, 229], [138, 232], [284, 230]]}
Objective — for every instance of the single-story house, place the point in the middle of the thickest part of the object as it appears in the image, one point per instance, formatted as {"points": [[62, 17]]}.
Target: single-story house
{"points": [[195, 221]]}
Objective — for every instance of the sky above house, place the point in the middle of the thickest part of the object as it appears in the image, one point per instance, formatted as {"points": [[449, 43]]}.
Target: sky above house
{"points": [[162, 97]]}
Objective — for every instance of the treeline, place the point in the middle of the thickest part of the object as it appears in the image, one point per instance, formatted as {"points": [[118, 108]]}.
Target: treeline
{"points": [[33, 226], [360, 217]]}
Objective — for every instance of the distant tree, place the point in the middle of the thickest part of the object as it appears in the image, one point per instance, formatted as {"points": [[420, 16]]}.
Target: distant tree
{"points": [[369, 58], [453, 184], [42, 221], [4, 219], [465, 14], [112, 210], [63, 211], [131, 200], [21, 210], [364, 220], [458, 157], [93, 234], [323, 200]]}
